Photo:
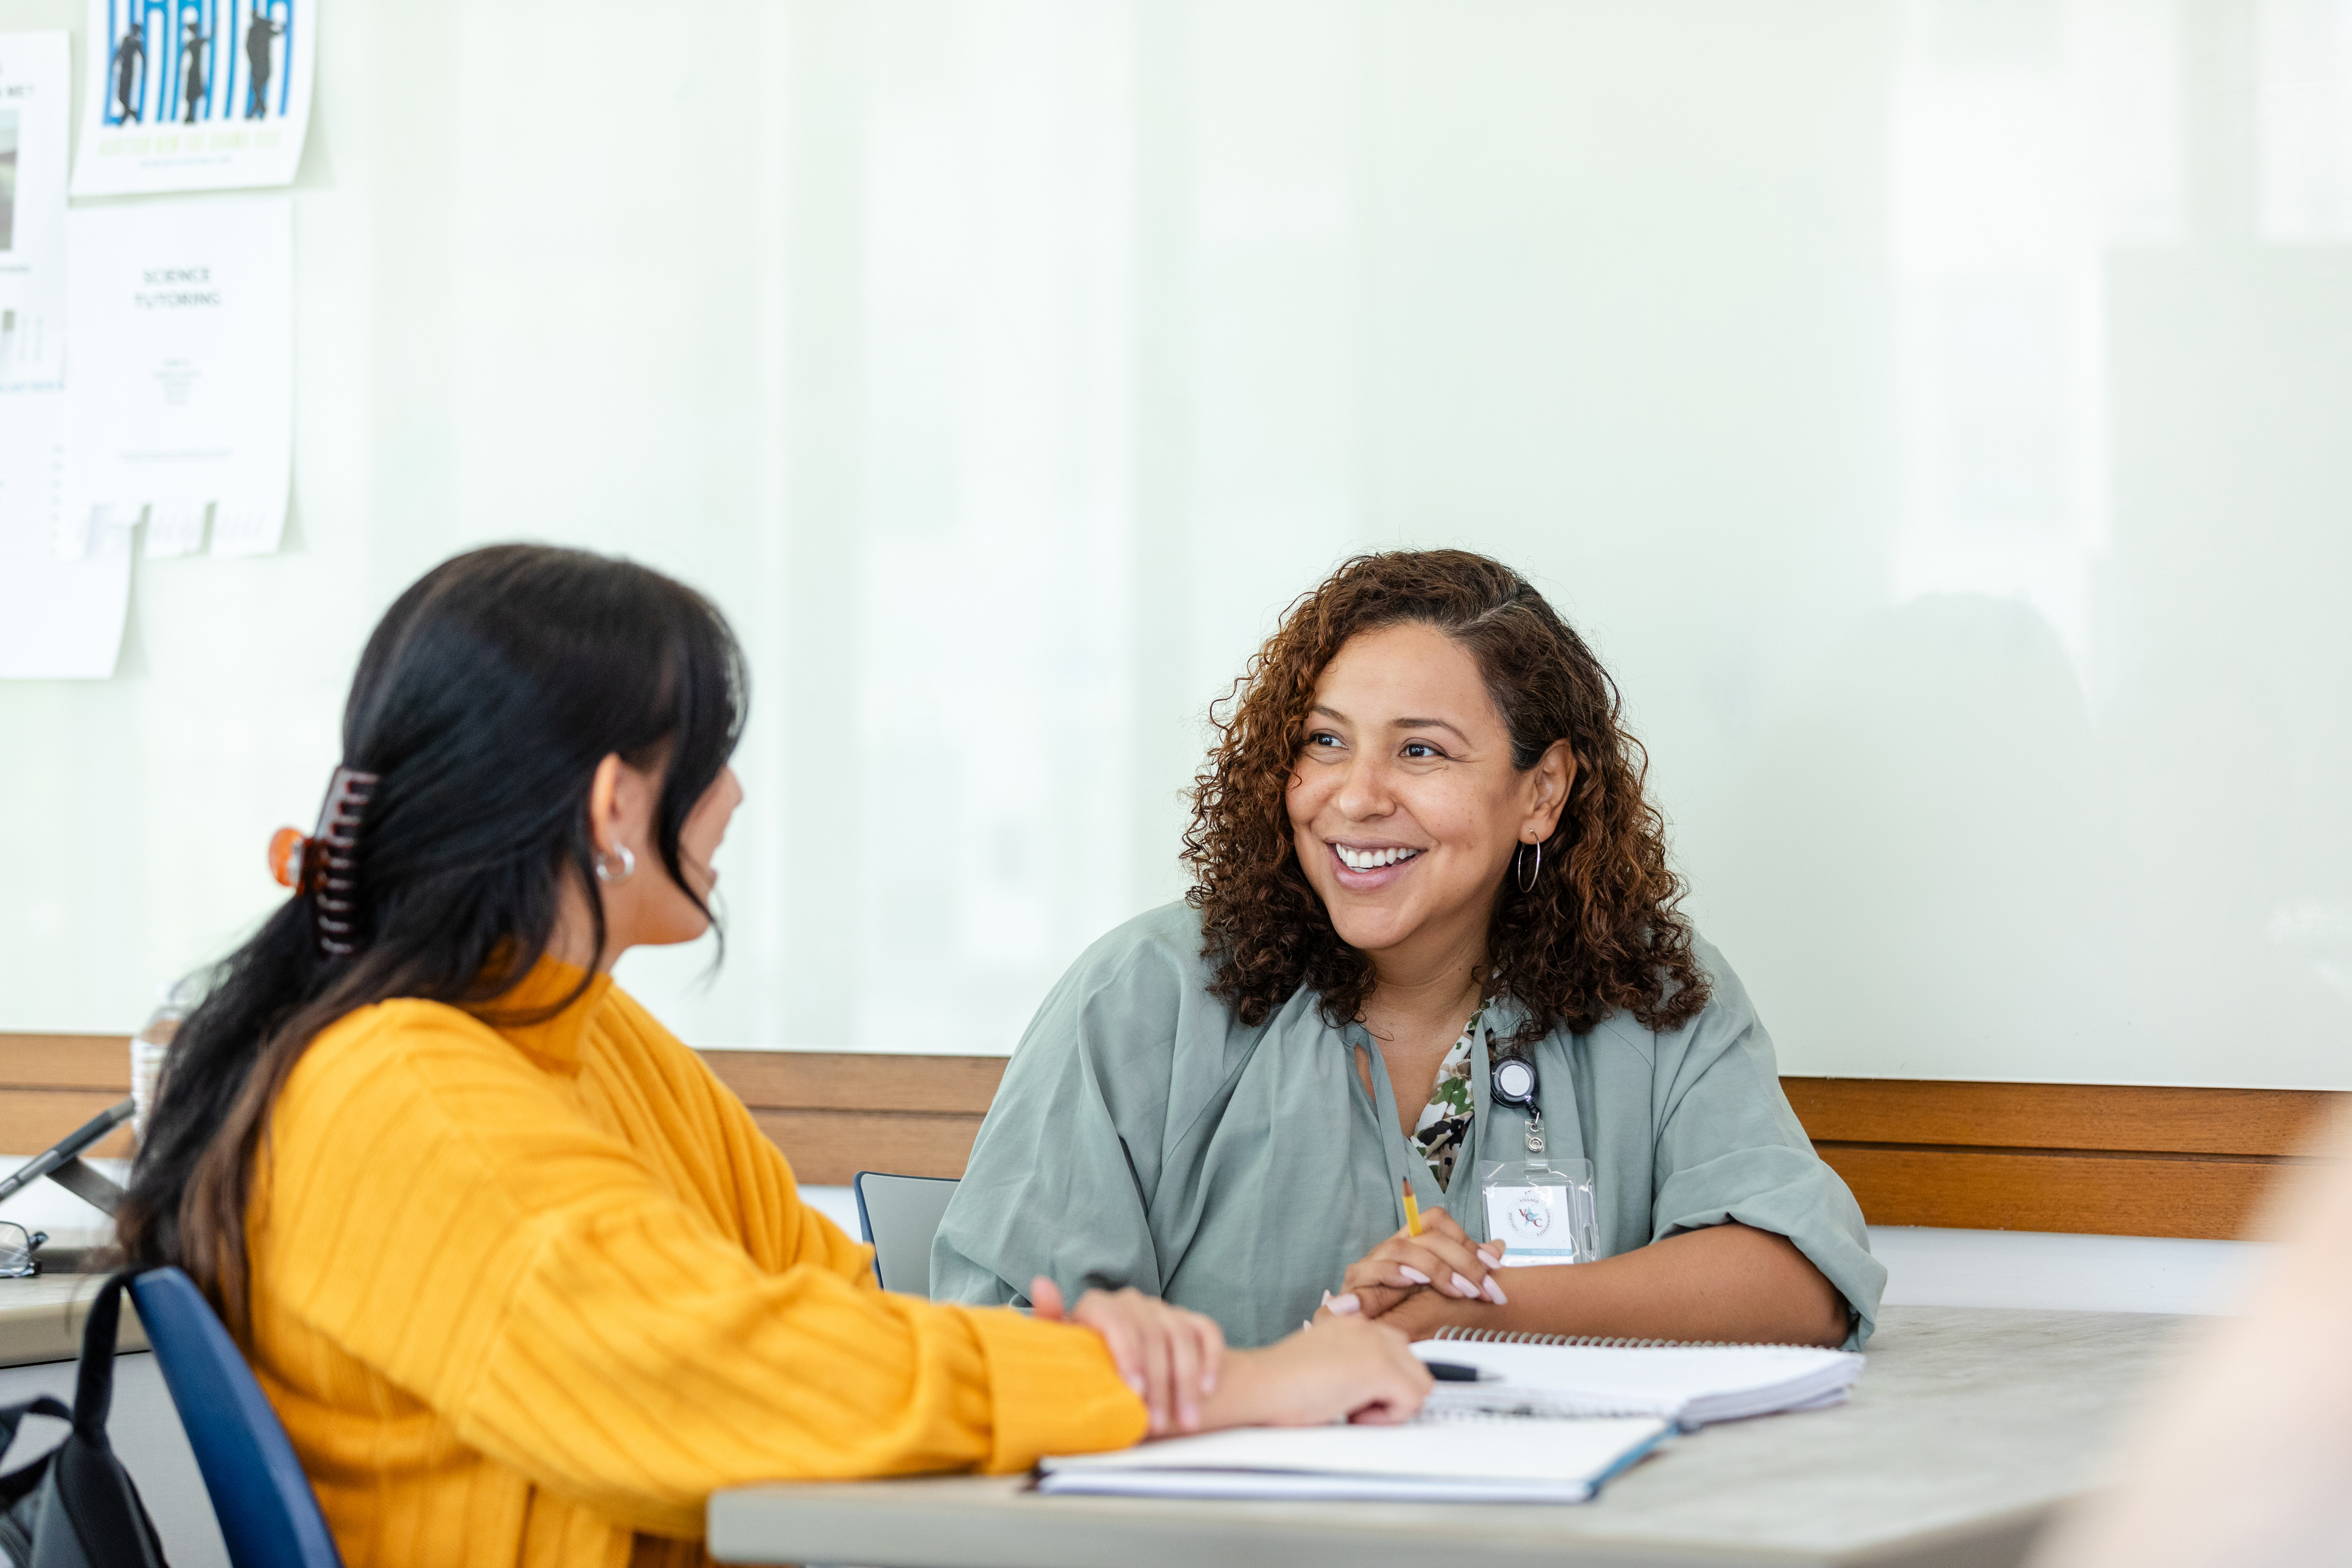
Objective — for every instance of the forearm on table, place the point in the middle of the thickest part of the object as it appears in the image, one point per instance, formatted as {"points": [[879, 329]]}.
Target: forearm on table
{"points": [[1726, 1282]]}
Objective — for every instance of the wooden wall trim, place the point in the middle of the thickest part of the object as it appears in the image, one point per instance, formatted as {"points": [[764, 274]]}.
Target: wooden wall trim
{"points": [[843, 1080], [51, 1084], [836, 1114], [2212, 1197], [2264, 1121], [2100, 1159], [2094, 1159]]}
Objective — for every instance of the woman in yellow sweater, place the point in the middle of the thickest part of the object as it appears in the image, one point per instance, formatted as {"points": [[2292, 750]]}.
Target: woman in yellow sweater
{"points": [[524, 1280]]}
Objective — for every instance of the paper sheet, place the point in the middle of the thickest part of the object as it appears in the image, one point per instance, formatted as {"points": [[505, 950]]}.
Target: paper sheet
{"points": [[195, 95], [182, 392], [59, 620], [33, 82], [1501, 1460], [175, 528]]}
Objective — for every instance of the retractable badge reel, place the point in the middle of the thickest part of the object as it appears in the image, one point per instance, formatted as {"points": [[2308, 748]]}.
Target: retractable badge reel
{"points": [[1543, 1209]]}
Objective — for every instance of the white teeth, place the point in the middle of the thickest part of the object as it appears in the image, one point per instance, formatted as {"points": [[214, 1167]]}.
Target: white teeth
{"points": [[1372, 859]]}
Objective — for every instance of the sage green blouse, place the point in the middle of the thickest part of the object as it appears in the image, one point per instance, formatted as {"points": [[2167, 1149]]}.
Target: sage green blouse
{"points": [[1144, 1136]]}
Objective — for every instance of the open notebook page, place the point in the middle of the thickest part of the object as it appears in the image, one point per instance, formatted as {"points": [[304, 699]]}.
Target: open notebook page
{"points": [[1502, 1461], [1689, 1383]]}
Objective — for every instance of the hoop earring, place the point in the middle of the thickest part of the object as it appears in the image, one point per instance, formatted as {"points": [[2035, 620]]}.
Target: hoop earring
{"points": [[604, 873], [1526, 876]]}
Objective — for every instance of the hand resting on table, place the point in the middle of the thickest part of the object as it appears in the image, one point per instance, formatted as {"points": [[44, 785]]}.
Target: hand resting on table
{"points": [[1178, 1364]]}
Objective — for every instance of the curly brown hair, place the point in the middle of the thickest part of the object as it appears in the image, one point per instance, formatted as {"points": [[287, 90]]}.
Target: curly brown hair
{"points": [[1600, 930]]}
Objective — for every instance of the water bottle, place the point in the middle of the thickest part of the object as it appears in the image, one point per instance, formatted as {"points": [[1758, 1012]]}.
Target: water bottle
{"points": [[152, 1043]]}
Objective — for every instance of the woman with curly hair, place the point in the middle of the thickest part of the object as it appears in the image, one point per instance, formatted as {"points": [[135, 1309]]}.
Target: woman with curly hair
{"points": [[1420, 846]]}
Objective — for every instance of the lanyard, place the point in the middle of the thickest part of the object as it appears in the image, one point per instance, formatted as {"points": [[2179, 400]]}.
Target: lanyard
{"points": [[1512, 1081]]}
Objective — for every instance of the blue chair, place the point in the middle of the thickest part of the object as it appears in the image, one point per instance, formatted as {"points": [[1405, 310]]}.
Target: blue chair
{"points": [[268, 1516], [900, 1215]]}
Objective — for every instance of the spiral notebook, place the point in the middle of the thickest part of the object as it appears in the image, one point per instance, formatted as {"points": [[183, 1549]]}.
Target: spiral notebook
{"points": [[1689, 1385], [1549, 1420], [1495, 1461]]}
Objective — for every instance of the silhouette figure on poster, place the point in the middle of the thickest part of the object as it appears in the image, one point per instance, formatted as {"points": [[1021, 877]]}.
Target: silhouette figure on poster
{"points": [[195, 48], [128, 56], [257, 39]]}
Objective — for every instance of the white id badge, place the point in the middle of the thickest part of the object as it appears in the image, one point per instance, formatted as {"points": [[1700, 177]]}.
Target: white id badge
{"points": [[1543, 1212]]}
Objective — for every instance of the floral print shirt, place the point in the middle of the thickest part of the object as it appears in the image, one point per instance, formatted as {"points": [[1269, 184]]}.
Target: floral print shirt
{"points": [[1445, 1119]]}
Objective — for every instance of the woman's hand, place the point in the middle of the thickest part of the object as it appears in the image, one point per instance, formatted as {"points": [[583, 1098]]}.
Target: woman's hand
{"points": [[1442, 1258], [1172, 1358], [1342, 1367], [1421, 1313]]}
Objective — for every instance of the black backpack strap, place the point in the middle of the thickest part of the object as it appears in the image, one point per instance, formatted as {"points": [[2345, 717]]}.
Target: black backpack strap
{"points": [[13, 1416], [20, 1481], [94, 1387], [93, 1495]]}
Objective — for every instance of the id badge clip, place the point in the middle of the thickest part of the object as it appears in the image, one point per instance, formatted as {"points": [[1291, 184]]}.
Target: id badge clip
{"points": [[1544, 1211]]}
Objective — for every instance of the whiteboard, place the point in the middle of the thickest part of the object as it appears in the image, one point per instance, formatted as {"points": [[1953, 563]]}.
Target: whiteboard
{"points": [[1935, 414]]}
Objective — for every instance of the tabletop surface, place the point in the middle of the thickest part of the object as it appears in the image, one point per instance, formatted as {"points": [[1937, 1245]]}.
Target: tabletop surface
{"points": [[41, 1317], [1969, 1425]]}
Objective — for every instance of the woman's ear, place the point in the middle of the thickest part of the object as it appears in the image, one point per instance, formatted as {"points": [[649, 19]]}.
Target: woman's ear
{"points": [[604, 815], [1555, 774]]}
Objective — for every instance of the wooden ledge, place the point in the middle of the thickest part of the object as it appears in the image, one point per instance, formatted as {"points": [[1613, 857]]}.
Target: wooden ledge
{"points": [[51, 1084], [2096, 1159], [2102, 1159]]}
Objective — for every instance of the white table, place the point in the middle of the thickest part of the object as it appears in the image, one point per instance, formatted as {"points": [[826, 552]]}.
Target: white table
{"points": [[1969, 1426], [41, 1318]]}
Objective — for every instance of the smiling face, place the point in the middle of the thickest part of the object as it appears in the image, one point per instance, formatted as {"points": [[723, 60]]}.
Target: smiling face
{"points": [[1404, 806]]}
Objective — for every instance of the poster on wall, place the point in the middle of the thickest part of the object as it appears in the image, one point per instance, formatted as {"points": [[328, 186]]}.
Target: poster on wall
{"points": [[34, 83], [59, 619], [181, 403], [195, 95]]}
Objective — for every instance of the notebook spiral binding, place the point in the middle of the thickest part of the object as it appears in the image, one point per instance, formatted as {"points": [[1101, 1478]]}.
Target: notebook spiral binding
{"points": [[1604, 1343]]}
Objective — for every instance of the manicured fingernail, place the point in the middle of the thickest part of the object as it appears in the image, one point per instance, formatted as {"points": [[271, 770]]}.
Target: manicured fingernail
{"points": [[1136, 1384], [1409, 1273], [1326, 1298], [1341, 1306], [1191, 1418], [1491, 1260], [1208, 1379], [1495, 1293], [1465, 1286]]}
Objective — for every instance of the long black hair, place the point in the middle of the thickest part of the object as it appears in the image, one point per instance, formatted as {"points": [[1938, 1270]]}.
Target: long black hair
{"points": [[484, 702]]}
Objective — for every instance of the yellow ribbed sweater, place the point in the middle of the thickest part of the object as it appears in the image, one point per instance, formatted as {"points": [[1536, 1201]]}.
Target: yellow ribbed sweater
{"points": [[529, 1294]]}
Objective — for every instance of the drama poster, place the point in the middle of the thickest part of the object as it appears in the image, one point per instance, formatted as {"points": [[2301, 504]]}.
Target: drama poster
{"points": [[195, 95]]}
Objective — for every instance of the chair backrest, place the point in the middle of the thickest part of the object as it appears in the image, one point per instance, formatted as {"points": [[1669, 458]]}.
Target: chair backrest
{"points": [[900, 1214], [268, 1516]]}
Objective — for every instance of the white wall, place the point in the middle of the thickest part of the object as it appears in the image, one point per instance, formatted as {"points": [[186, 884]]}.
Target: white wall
{"points": [[1936, 412]]}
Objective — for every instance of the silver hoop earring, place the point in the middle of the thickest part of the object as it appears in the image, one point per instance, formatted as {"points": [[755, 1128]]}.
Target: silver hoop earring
{"points": [[1526, 876], [604, 873]]}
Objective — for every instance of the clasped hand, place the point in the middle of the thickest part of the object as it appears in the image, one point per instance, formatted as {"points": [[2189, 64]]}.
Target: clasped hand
{"points": [[1441, 1259]]}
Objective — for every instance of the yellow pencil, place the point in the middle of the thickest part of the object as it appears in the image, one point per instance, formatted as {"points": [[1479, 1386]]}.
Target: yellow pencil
{"points": [[1412, 1210]]}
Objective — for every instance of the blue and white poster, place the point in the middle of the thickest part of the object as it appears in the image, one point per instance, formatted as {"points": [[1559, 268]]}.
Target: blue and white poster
{"points": [[195, 95]]}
